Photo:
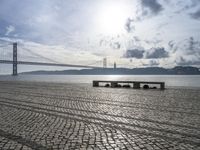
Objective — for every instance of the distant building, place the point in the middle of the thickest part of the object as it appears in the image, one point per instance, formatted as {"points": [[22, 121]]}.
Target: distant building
{"points": [[115, 66]]}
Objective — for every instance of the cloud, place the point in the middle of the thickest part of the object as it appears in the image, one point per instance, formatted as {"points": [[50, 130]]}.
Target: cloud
{"points": [[129, 27], [136, 38], [187, 6], [171, 44], [187, 61], [154, 41], [147, 9], [187, 52], [152, 5], [112, 42], [190, 46], [162, 25], [156, 53], [9, 30], [153, 53], [134, 53], [115, 45], [152, 63], [196, 15]]}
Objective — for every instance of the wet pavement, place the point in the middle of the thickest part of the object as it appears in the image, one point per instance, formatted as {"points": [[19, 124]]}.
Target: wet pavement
{"points": [[71, 116]]}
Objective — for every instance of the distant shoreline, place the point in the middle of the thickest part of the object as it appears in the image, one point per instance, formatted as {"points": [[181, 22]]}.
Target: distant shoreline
{"points": [[179, 70], [103, 74]]}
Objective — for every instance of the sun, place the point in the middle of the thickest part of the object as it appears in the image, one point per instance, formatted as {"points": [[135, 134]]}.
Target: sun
{"points": [[111, 17]]}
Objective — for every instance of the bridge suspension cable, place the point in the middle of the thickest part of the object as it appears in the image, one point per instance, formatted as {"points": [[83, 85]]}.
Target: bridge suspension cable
{"points": [[13, 59], [3, 45], [40, 56], [99, 61]]}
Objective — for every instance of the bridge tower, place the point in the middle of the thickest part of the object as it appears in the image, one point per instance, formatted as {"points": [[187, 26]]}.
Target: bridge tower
{"points": [[104, 62], [14, 59], [115, 65]]}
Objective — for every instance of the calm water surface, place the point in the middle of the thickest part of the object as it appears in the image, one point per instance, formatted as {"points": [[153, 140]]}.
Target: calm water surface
{"points": [[170, 80]]}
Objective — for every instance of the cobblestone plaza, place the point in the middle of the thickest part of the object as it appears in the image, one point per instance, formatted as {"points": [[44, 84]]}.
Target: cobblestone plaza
{"points": [[45, 116]]}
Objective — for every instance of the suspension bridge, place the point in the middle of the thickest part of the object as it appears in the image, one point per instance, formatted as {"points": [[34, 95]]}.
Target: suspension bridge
{"points": [[13, 59]]}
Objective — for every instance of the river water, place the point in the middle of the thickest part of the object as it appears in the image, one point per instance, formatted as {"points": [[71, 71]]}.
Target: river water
{"points": [[170, 80]]}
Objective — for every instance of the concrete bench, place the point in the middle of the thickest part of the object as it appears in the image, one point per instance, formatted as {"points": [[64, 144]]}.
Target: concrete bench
{"points": [[136, 84]]}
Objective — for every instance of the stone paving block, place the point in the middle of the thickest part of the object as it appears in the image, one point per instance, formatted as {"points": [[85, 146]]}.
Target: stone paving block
{"points": [[70, 116]]}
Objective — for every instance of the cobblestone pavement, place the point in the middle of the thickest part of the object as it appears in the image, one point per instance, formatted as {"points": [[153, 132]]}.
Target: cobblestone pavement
{"points": [[49, 116]]}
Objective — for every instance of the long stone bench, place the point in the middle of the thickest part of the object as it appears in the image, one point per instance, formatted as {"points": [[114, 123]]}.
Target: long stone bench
{"points": [[136, 84]]}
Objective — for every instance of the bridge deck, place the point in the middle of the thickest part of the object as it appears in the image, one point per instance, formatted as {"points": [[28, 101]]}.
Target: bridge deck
{"points": [[47, 64]]}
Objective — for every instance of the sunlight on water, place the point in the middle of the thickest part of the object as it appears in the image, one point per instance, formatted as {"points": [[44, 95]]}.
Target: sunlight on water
{"points": [[113, 77], [170, 80]]}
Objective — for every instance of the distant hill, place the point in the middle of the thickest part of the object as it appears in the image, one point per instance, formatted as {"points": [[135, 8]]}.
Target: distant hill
{"points": [[179, 70]]}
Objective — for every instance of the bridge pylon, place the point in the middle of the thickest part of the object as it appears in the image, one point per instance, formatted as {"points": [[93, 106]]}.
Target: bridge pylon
{"points": [[14, 59], [105, 62]]}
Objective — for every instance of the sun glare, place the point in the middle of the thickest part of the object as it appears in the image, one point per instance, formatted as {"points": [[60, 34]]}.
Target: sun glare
{"points": [[112, 17]]}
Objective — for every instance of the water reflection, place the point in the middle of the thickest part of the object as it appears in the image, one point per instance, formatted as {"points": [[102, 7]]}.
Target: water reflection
{"points": [[170, 80]]}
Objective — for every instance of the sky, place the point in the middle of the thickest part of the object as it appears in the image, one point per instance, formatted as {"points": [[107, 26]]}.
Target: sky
{"points": [[132, 33]]}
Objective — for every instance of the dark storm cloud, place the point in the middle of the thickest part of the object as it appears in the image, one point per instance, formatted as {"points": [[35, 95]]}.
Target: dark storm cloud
{"points": [[152, 5], [156, 53], [153, 53], [134, 53], [196, 15], [148, 8]]}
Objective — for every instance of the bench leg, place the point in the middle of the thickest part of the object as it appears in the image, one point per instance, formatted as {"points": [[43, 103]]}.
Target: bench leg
{"points": [[113, 84], [136, 85], [162, 86], [95, 84]]}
